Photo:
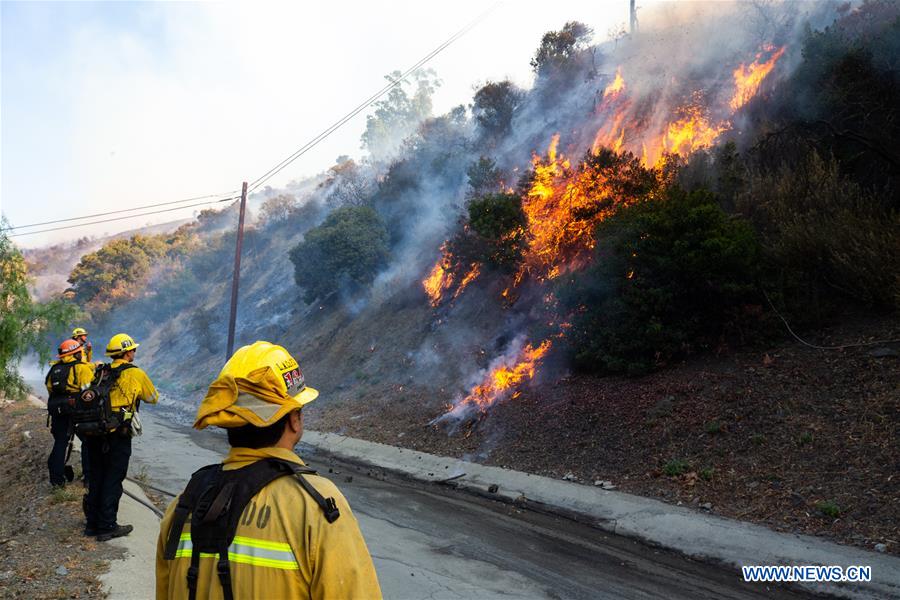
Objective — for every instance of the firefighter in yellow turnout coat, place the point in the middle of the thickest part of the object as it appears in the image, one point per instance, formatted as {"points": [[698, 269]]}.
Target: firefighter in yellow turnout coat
{"points": [[109, 454], [68, 376], [295, 536]]}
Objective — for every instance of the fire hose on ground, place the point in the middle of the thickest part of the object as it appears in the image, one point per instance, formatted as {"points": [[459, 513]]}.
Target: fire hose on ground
{"points": [[155, 510]]}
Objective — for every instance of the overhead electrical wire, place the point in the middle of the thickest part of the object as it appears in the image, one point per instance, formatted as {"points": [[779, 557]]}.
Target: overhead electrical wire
{"points": [[271, 172], [114, 212], [154, 212], [366, 103]]}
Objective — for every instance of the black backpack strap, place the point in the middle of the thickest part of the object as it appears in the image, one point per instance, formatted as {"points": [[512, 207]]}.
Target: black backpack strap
{"points": [[223, 568], [199, 481], [193, 574], [328, 505]]}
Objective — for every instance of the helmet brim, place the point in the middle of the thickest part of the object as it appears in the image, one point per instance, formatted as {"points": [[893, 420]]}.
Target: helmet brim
{"points": [[307, 395], [121, 352]]}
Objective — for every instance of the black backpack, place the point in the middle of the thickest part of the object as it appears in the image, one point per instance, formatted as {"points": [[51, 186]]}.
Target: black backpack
{"points": [[215, 500], [61, 399], [92, 413]]}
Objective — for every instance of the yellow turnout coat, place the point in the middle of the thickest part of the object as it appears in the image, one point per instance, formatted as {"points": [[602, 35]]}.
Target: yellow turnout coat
{"points": [[283, 547]]}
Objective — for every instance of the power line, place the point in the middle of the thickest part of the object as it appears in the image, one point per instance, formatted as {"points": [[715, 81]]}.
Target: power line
{"points": [[114, 212], [324, 134], [155, 212], [268, 174]]}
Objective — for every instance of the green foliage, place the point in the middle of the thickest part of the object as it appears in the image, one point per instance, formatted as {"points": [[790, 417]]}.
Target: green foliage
{"points": [[484, 177], [493, 106], [558, 48], [706, 473], [348, 248], [117, 271], [829, 508], [851, 92], [712, 427], [805, 438], [61, 495], [823, 233], [669, 277], [676, 467], [201, 322], [24, 324], [500, 221], [397, 115]]}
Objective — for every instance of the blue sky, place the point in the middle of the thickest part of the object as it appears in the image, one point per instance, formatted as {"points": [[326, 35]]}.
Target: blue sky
{"points": [[109, 105]]}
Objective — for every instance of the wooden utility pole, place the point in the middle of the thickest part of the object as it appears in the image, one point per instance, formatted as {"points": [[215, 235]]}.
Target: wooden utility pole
{"points": [[236, 277], [633, 18]]}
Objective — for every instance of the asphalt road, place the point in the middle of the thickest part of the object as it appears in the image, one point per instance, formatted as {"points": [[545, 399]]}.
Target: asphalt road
{"points": [[439, 543]]}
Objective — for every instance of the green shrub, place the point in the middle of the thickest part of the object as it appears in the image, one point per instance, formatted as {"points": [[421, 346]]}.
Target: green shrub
{"points": [[347, 249], [828, 508], [712, 427], [706, 474], [676, 467], [668, 277], [821, 232], [500, 221]]}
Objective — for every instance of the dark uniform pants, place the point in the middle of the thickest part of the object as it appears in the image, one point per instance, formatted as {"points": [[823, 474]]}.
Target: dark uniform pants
{"points": [[108, 457], [56, 462]]}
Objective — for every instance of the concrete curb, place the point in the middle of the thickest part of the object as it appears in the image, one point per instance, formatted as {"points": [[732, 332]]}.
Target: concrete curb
{"points": [[698, 535]]}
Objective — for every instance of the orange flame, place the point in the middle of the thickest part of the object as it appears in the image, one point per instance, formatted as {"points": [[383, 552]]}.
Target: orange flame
{"points": [[474, 271], [439, 278], [501, 380], [616, 86], [748, 79]]}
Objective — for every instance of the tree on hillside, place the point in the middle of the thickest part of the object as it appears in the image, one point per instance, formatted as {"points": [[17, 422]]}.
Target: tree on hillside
{"points": [[397, 115], [558, 48], [484, 177], [493, 107], [277, 209], [24, 324], [116, 272], [347, 184], [346, 250]]}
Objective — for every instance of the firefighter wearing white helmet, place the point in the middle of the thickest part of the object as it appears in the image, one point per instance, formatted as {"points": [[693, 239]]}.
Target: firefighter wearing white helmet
{"points": [[278, 529], [108, 454]]}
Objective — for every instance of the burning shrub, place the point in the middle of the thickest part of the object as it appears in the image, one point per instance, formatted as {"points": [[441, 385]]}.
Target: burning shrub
{"points": [[668, 277], [821, 231], [348, 248]]}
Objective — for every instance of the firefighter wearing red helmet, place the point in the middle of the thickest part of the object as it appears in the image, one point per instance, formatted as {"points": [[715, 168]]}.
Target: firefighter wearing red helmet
{"points": [[67, 377]]}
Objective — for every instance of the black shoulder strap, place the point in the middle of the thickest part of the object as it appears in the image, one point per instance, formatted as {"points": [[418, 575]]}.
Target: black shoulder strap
{"points": [[186, 502], [123, 367], [215, 500], [328, 505]]}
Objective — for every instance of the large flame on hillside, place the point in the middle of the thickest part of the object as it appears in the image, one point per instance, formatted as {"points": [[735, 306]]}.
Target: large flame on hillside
{"points": [[564, 203], [502, 381], [748, 79]]}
